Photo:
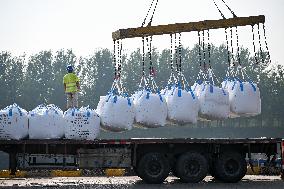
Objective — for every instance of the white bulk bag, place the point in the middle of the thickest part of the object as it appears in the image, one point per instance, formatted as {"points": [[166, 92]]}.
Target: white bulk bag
{"points": [[117, 113], [245, 98], [168, 90], [101, 104], [197, 88], [13, 123], [81, 124], [46, 122], [227, 84], [151, 110], [214, 102], [135, 97], [183, 106]]}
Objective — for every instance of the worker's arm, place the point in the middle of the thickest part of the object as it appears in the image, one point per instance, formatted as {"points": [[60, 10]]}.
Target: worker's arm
{"points": [[78, 85]]}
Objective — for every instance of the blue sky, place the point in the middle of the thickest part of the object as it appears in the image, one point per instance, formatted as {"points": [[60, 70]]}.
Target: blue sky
{"points": [[85, 25]]}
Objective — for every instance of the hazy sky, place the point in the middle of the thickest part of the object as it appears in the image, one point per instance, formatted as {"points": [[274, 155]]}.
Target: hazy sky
{"points": [[85, 25]]}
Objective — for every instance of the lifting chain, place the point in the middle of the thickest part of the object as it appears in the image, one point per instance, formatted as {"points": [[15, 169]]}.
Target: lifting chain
{"points": [[227, 46], [149, 46], [119, 58], [204, 53], [179, 52], [238, 48], [153, 12], [199, 49], [266, 45], [222, 15], [234, 15], [209, 49], [114, 59], [253, 43], [143, 56], [172, 57], [232, 48], [260, 46], [176, 53]]}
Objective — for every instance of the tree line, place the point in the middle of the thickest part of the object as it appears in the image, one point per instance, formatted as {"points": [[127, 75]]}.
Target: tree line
{"points": [[37, 79]]}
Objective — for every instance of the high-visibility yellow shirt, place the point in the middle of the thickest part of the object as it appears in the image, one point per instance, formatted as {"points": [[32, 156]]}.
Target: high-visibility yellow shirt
{"points": [[70, 80]]}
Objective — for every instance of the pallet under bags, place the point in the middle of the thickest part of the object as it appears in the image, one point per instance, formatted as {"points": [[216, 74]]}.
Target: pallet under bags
{"points": [[244, 97], [46, 122], [214, 102], [81, 124], [117, 113], [13, 123], [150, 109], [179, 100]]}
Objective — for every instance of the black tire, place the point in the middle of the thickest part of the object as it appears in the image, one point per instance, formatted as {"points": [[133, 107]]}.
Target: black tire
{"points": [[230, 167], [212, 171], [191, 167], [153, 168], [174, 172], [136, 171]]}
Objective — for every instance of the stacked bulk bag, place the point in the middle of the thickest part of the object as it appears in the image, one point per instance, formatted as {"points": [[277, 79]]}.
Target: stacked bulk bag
{"points": [[244, 98], [151, 109], [13, 123], [46, 122], [183, 105], [81, 124]]}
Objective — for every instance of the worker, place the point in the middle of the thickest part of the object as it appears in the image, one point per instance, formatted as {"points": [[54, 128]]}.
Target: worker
{"points": [[71, 87]]}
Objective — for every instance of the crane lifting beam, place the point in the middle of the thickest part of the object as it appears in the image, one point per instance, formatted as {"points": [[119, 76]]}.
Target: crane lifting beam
{"points": [[187, 27]]}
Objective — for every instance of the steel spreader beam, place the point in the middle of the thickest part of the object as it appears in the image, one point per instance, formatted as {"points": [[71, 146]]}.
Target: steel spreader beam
{"points": [[187, 27]]}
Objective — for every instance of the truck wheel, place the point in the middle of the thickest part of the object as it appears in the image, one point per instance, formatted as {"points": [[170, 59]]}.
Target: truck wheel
{"points": [[212, 170], [230, 167], [191, 167], [136, 171], [153, 168]]}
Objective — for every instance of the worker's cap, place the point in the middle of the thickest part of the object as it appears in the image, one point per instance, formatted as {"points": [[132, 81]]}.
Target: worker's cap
{"points": [[69, 68]]}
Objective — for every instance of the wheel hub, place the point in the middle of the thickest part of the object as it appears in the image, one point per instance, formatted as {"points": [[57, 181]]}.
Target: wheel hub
{"points": [[231, 166], [191, 167]]}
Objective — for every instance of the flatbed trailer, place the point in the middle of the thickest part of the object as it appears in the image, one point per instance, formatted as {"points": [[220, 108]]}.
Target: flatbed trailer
{"points": [[152, 159]]}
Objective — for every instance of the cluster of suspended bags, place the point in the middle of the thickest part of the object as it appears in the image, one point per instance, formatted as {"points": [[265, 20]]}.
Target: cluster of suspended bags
{"points": [[146, 107], [179, 104]]}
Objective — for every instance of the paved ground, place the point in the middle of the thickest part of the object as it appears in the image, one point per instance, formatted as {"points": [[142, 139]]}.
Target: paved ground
{"points": [[132, 182]]}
